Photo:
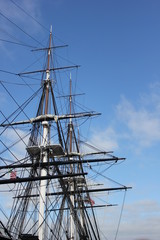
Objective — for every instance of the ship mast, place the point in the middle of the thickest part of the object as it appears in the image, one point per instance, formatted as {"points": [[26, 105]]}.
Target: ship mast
{"points": [[43, 171], [53, 173], [71, 166]]}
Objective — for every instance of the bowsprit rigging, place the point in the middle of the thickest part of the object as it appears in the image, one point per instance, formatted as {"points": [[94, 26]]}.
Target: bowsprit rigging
{"points": [[52, 189]]}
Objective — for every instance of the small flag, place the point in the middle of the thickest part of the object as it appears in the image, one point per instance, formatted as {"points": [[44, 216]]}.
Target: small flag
{"points": [[92, 202], [13, 174], [89, 200]]}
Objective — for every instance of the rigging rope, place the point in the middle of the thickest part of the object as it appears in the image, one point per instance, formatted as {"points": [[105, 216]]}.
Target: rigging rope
{"points": [[22, 9], [17, 43], [20, 29], [120, 215], [33, 18], [105, 176], [18, 84]]}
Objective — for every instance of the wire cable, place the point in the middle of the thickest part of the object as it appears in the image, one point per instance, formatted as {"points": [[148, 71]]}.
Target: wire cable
{"points": [[17, 43], [33, 18], [12, 73], [20, 29], [29, 15], [18, 84], [120, 215]]}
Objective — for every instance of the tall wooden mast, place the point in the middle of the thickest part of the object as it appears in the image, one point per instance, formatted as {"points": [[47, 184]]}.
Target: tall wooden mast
{"points": [[43, 172], [71, 165]]}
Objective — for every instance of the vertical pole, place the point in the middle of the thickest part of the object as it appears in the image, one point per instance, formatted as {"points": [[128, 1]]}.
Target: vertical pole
{"points": [[71, 166], [70, 102], [43, 184]]}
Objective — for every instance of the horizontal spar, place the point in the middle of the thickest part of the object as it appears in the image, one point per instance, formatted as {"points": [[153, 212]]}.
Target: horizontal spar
{"points": [[44, 70], [80, 191], [95, 206], [32, 179], [41, 49], [57, 163], [50, 117]]}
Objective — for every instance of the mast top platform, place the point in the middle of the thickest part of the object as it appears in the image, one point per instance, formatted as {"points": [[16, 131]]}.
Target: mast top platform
{"points": [[55, 150]]}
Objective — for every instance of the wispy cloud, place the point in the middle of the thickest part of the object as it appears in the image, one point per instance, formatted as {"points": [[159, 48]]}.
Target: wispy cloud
{"points": [[19, 16], [15, 24], [140, 220], [19, 30], [105, 139], [135, 124], [10, 136], [142, 121], [143, 216]]}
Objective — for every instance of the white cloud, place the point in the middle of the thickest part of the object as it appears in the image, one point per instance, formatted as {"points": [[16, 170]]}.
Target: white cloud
{"points": [[17, 15], [10, 137], [139, 124], [140, 220], [22, 23], [143, 122], [106, 139]]}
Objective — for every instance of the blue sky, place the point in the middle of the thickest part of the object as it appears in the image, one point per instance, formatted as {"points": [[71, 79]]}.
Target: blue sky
{"points": [[117, 44]]}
